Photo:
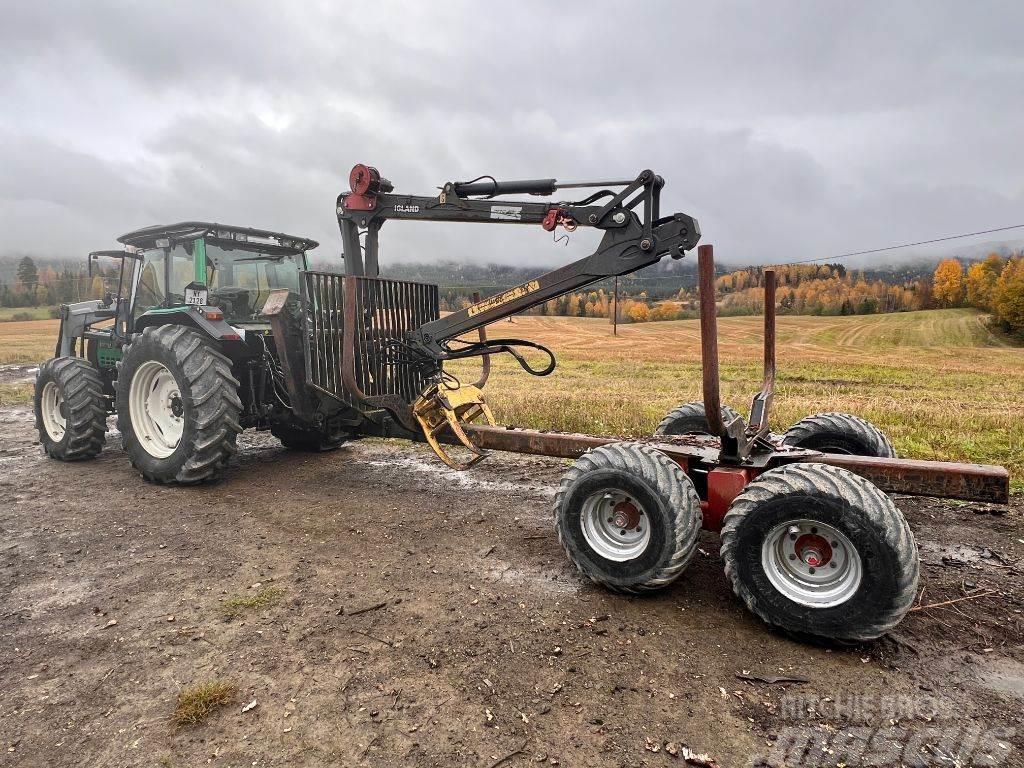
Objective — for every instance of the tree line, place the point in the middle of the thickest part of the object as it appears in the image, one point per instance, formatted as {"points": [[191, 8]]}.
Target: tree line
{"points": [[46, 286], [995, 285]]}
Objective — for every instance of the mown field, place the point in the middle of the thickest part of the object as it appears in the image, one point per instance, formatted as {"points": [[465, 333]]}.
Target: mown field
{"points": [[937, 382]]}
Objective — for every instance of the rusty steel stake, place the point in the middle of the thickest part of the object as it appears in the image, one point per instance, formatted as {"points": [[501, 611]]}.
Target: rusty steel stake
{"points": [[709, 339]]}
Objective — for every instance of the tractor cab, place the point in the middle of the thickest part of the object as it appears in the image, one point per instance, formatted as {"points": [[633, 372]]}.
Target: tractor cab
{"points": [[202, 264]]}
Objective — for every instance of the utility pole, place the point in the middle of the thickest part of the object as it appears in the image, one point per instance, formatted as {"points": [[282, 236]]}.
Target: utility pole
{"points": [[615, 307]]}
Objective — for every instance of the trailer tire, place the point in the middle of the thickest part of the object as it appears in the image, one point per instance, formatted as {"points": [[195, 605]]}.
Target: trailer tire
{"points": [[840, 433], [820, 553], [299, 438], [70, 410], [652, 497], [690, 418], [174, 382]]}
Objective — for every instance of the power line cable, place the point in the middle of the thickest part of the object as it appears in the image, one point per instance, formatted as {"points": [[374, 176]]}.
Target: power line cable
{"points": [[907, 245]]}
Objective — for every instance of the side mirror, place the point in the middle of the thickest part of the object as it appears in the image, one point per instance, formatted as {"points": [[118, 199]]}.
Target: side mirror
{"points": [[91, 260], [108, 299]]}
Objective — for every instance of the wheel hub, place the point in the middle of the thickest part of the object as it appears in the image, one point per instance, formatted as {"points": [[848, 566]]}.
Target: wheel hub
{"points": [[626, 515], [811, 563], [813, 550], [615, 525]]}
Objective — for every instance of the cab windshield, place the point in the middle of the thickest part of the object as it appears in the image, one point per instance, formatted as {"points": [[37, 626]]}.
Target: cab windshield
{"points": [[239, 280]]}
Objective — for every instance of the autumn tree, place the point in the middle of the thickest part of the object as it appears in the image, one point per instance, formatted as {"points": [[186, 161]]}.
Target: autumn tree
{"points": [[948, 283], [981, 281], [1008, 297], [638, 312]]}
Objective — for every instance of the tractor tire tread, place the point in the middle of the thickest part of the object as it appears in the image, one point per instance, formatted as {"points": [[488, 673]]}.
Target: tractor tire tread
{"points": [[86, 419], [214, 397]]}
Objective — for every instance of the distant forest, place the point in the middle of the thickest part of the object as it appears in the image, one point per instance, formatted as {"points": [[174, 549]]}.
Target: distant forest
{"points": [[663, 291]]}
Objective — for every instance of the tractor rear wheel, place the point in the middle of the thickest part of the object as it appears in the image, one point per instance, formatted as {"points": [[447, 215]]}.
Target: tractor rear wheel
{"points": [[821, 553], [177, 405], [297, 437], [690, 418], [628, 517], [840, 433], [71, 412]]}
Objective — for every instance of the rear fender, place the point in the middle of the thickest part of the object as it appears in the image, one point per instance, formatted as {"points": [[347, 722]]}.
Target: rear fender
{"points": [[207, 320]]}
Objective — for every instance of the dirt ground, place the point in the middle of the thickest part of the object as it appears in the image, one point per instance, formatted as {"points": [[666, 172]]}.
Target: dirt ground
{"points": [[429, 618]]}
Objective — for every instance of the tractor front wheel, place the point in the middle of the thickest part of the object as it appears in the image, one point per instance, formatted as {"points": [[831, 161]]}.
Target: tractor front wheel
{"points": [[628, 517], [177, 405], [71, 412], [821, 553]]}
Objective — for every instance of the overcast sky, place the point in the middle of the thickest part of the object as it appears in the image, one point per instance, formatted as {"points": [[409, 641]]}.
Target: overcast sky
{"points": [[789, 130]]}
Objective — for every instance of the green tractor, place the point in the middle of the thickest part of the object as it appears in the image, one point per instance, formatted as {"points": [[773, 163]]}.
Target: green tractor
{"points": [[182, 350]]}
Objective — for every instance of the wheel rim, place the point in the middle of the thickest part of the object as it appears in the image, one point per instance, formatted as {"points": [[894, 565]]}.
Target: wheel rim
{"points": [[615, 525], [156, 409], [811, 563], [52, 409]]}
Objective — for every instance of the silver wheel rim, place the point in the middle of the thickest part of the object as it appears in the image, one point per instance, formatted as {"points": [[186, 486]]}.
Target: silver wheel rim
{"points": [[615, 525], [811, 563], [52, 410], [156, 409]]}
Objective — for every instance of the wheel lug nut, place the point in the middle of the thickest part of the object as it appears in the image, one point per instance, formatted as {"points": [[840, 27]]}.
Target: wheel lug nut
{"points": [[622, 532], [810, 570], [792, 557], [835, 543], [638, 529], [611, 519], [833, 564]]}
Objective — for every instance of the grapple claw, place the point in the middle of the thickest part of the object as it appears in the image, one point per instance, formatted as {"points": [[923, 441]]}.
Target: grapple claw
{"points": [[440, 407]]}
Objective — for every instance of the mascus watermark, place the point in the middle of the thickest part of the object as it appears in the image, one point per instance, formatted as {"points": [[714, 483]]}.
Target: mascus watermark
{"points": [[866, 708], [806, 746]]}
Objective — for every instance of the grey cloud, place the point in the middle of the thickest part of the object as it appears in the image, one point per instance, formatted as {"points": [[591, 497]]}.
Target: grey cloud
{"points": [[789, 130]]}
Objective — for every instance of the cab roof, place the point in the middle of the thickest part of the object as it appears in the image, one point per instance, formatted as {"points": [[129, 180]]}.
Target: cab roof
{"points": [[245, 237]]}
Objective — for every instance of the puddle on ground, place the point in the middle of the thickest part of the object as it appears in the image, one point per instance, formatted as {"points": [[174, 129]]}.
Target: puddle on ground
{"points": [[933, 553], [549, 582], [469, 479], [1004, 676], [18, 374]]}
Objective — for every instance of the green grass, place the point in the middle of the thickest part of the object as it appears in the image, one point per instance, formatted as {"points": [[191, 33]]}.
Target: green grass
{"points": [[33, 313], [197, 702], [262, 598]]}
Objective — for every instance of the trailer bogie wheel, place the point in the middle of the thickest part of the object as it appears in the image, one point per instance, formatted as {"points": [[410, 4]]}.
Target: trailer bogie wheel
{"points": [[840, 433], [821, 553], [70, 410], [690, 418], [177, 405], [628, 517]]}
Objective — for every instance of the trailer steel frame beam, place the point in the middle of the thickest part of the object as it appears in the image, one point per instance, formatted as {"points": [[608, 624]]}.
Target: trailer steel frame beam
{"points": [[912, 477]]}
